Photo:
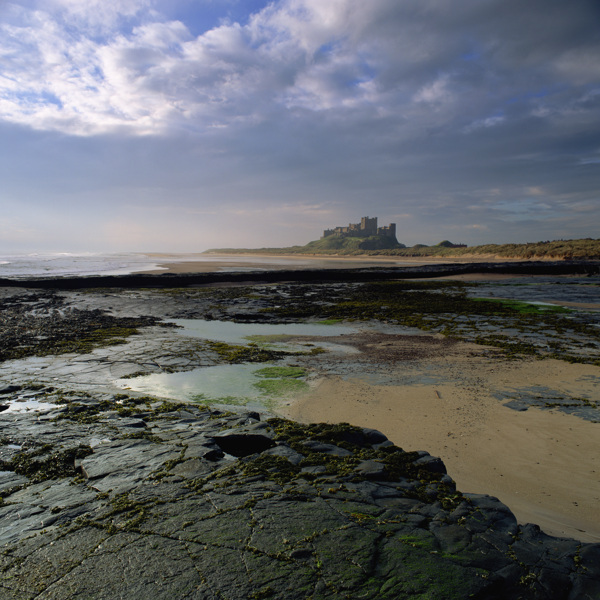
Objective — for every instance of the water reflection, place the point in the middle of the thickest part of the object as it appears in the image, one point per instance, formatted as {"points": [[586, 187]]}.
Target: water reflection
{"points": [[238, 333], [236, 384]]}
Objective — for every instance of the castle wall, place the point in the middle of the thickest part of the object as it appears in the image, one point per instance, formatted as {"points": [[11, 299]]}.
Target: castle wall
{"points": [[389, 231], [367, 227]]}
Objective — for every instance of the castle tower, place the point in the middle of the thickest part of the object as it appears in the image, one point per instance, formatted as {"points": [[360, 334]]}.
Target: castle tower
{"points": [[368, 226]]}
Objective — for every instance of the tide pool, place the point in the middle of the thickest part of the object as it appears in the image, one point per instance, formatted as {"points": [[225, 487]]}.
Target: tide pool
{"points": [[237, 384]]}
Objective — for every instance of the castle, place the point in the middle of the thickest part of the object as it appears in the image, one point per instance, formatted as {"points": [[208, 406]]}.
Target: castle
{"points": [[367, 227]]}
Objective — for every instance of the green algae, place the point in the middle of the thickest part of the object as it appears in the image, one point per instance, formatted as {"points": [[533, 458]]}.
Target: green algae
{"points": [[51, 329], [251, 353], [281, 381], [526, 307], [281, 387], [276, 372]]}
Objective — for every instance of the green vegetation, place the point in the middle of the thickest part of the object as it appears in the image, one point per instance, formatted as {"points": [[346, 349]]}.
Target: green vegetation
{"points": [[397, 464], [41, 463], [351, 244], [252, 353], [235, 354], [49, 331], [281, 387], [275, 372], [526, 307], [514, 328], [281, 381], [124, 405], [580, 249]]}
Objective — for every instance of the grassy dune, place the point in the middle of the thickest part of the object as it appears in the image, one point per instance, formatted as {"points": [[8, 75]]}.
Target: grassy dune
{"points": [[581, 249]]}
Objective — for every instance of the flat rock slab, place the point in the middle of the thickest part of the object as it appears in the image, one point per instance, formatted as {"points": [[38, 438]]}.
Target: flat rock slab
{"points": [[201, 504]]}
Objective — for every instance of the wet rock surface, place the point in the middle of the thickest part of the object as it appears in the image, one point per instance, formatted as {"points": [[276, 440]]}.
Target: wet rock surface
{"points": [[125, 497], [165, 280], [106, 495]]}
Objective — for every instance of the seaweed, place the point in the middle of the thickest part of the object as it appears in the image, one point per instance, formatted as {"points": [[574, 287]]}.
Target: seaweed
{"points": [[41, 463]]}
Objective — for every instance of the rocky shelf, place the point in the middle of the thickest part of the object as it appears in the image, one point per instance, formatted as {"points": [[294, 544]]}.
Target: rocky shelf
{"points": [[171, 280], [129, 497]]}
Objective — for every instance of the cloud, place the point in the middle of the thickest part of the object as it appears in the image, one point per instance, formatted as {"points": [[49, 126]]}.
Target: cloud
{"points": [[304, 110], [294, 54], [95, 16]]}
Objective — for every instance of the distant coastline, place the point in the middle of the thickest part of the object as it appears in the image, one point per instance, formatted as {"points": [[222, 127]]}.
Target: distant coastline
{"points": [[579, 249]]}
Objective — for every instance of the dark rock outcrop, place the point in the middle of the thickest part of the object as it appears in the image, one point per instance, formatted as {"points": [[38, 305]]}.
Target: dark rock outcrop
{"points": [[171, 280], [95, 507]]}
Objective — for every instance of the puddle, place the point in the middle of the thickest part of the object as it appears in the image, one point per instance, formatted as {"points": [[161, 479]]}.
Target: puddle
{"points": [[222, 384], [239, 384], [240, 333], [18, 406], [220, 381]]}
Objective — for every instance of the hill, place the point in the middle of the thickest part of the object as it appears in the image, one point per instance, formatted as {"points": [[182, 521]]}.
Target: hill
{"points": [[352, 244]]}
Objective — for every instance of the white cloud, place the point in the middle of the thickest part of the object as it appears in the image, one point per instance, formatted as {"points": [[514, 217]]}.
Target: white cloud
{"points": [[391, 84], [94, 15], [485, 123], [436, 92], [292, 54]]}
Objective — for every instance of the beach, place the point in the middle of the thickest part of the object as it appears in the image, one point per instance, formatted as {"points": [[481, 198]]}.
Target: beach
{"points": [[214, 262], [542, 463], [424, 391]]}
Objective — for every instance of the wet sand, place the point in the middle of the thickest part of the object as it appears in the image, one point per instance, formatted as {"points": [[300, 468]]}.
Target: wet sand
{"points": [[543, 464]]}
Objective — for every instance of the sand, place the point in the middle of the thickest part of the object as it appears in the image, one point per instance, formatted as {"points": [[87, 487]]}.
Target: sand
{"points": [[209, 263], [543, 464]]}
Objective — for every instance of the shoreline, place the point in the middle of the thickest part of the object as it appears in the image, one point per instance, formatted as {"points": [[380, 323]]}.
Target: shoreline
{"points": [[541, 463], [229, 261], [187, 274], [457, 417]]}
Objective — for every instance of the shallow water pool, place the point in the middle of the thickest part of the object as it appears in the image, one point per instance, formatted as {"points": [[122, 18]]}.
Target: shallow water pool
{"points": [[238, 333], [239, 384]]}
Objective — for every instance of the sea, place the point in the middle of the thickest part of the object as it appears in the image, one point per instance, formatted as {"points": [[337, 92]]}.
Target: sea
{"points": [[66, 264]]}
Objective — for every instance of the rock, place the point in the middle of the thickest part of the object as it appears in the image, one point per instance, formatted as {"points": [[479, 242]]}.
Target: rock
{"points": [[9, 389], [205, 505], [331, 449], [431, 463], [243, 444], [122, 465], [370, 469], [286, 452], [372, 436], [9, 480]]}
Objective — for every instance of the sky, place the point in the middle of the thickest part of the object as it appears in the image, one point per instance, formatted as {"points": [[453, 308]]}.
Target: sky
{"points": [[183, 125]]}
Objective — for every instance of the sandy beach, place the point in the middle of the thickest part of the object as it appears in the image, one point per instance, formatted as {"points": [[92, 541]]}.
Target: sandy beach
{"points": [[543, 464], [210, 263]]}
